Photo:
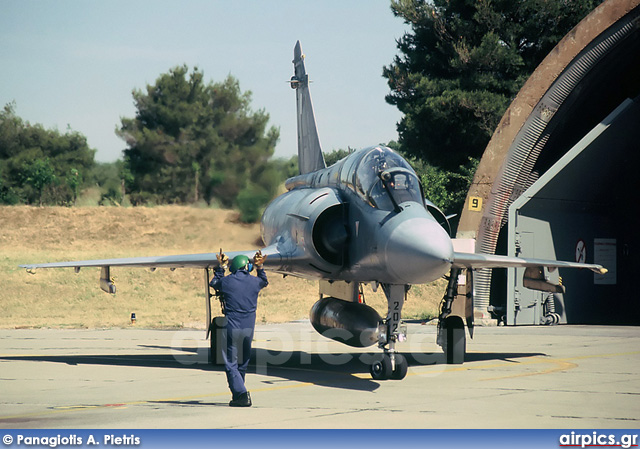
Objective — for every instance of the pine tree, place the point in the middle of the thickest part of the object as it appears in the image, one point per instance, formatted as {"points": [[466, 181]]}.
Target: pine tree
{"points": [[188, 134], [463, 63]]}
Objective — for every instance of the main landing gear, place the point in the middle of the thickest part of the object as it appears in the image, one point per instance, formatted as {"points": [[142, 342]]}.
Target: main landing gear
{"points": [[451, 333], [391, 364]]}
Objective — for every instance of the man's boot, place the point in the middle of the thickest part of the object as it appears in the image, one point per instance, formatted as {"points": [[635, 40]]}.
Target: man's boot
{"points": [[243, 400]]}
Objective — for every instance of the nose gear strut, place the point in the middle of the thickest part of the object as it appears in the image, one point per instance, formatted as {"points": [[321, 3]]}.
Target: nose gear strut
{"points": [[391, 364]]}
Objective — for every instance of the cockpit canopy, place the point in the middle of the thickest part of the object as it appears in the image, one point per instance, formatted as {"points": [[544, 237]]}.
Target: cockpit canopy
{"points": [[383, 178]]}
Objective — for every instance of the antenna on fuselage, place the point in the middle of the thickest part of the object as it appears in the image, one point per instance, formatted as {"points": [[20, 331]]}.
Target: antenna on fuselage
{"points": [[310, 156]]}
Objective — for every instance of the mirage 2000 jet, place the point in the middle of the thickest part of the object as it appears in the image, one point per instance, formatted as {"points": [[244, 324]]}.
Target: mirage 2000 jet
{"points": [[363, 220]]}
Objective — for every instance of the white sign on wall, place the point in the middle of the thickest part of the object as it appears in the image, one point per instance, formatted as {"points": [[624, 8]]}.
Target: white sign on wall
{"points": [[604, 253], [581, 252]]}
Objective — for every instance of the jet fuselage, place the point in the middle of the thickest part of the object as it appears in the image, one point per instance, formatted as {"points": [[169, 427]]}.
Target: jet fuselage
{"points": [[363, 219]]}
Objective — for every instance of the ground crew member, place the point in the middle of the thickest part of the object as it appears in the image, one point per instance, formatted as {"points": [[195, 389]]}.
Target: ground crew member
{"points": [[240, 295]]}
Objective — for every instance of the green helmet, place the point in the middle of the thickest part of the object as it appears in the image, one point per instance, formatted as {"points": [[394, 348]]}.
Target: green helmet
{"points": [[238, 263]]}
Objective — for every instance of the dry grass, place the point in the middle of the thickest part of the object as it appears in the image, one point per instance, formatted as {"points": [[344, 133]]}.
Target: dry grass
{"points": [[61, 298]]}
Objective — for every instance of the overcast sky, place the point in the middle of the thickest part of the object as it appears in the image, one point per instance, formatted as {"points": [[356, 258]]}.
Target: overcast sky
{"points": [[75, 62]]}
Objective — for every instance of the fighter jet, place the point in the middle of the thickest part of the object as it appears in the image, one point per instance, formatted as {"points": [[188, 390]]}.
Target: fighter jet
{"points": [[364, 220]]}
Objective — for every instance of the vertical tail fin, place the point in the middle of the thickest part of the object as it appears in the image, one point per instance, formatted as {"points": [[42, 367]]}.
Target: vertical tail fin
{"points": [[310, 156]]}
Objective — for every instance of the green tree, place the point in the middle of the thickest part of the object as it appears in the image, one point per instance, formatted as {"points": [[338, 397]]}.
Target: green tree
{"points": [[335, 156], [7, 194], [196, 175], [39, 174], [74, 180], [447, 189], [111, 178], [251, 201], [287, 168], [188, 134], [462, 64], [27, 154]]}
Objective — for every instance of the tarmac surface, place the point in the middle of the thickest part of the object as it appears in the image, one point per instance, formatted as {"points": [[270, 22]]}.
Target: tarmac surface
{"points": [[571, 377]]}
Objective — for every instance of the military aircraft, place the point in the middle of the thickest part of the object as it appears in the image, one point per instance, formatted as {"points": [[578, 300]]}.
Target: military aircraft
{"points": [[364, 220]]}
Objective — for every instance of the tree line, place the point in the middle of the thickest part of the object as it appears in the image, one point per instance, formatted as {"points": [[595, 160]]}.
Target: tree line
{"points": [[38, 165], [192, 141]]}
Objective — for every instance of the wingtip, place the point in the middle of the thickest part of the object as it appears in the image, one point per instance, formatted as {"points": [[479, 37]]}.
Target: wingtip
{"points": [[600, 270]]}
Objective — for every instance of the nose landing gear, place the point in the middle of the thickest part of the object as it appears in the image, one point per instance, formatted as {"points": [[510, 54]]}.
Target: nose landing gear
{"points": [[391, 364], [385, 368]]}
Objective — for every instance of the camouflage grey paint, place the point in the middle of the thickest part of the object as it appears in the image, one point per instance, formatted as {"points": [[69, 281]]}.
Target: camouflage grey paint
{"points": [[310, 156]]}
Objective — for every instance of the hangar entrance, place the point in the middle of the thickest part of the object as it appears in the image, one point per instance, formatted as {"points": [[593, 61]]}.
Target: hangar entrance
{"points": [[584, 208]]}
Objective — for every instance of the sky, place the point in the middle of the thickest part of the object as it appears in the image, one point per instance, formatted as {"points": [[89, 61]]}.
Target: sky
{"points": [[74, 63]]}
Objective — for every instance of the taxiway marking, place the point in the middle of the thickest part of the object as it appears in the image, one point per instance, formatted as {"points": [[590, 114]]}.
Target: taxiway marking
{"points": [[562, 364]]}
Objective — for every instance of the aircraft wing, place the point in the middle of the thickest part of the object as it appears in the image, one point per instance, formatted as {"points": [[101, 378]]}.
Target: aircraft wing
{"points": [[275, 261], [477, 260], [205, 260]]}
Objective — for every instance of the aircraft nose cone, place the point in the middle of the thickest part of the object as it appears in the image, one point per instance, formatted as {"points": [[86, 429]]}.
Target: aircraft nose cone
{"points": [[418, 251]]}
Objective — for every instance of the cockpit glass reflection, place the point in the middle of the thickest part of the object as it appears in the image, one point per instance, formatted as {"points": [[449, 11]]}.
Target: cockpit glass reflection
{"points": [[400, 180]]}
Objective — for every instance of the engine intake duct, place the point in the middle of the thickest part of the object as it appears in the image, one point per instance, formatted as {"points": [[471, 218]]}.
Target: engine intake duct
{"points": [[350, 323], [330, 235]]}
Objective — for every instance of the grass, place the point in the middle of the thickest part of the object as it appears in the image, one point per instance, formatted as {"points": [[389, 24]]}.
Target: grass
{"points": [[61, 298]]}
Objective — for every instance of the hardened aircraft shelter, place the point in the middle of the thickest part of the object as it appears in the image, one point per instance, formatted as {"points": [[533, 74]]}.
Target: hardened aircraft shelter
{"points": [[559, 179]]}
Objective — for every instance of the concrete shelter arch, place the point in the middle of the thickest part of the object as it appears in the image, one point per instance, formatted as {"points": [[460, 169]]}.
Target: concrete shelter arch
{"points": [[584, 78]]}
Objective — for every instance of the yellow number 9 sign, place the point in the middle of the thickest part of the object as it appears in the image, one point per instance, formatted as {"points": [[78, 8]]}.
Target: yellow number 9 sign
{"points": [[475, 203]]}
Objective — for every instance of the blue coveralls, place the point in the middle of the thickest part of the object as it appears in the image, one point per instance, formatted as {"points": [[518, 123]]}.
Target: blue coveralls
{"points": [[240, 292]]}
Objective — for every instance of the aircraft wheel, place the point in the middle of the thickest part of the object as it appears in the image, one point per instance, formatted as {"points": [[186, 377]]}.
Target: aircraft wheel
{"points": [[218, 340], [381, 369], [401, 368], [212, 349], [456, 343]]}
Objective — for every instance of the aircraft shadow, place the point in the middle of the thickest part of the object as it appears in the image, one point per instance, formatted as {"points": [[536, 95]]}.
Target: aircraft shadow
{"points": [[335, 370]]}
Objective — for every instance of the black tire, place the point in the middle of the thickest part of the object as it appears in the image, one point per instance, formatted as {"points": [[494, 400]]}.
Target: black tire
{"points": [[212, 346], [401, 368], [381, 369], [456, 342], [218, 341]]}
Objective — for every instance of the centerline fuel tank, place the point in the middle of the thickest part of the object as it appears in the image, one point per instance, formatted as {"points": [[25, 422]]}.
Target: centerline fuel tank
{"points": [[348, 322]]}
